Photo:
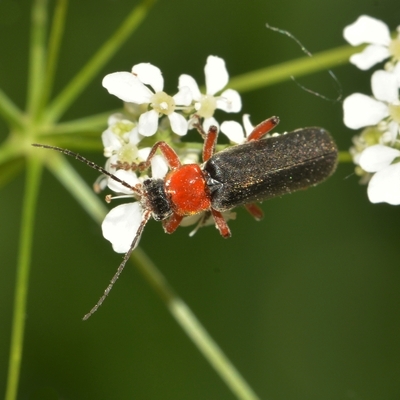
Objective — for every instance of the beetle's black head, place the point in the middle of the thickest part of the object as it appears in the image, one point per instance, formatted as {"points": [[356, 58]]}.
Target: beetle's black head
{"points": [[156, 199]]}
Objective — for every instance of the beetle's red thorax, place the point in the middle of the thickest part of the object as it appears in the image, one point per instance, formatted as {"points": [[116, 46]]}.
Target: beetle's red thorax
{"points": [[187, 190]]}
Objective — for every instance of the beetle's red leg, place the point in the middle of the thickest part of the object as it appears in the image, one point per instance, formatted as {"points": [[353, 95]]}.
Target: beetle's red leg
{"points": [[255, 211], [171, 224], [210, 139], [209, 143], [221, 224], [167, 151], [263, 128]]}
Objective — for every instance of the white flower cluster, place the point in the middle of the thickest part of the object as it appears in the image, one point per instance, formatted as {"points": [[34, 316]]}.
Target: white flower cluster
{"points": [[152, 115], [376, 151]]}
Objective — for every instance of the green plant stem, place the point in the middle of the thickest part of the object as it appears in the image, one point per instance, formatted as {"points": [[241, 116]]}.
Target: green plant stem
{"points": [[73, 182], [179, 310], [92, 123], [299, 67], [103, 55], [9, 149], [193, 328], [78, 144], [37, 57], [33, 175], [9, 170], [10, 112], [345, 157], [57, 30], [210, 349]]}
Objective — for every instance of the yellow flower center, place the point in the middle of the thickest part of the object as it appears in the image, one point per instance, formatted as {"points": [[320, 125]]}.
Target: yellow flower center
{"points": [[394, 48], [122, 127], [369, 137], [128, 154], [394, 111], [206, 106], [162, 103]]}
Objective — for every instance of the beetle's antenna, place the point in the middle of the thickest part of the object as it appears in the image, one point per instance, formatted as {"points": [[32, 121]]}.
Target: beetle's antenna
{"points": [[146, 217], [89, 163], [309, 54]]}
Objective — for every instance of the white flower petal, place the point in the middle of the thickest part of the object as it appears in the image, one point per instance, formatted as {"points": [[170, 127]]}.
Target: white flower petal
{"points": [[148, 123], [394, 131], [179, 124], [367, 30], [384, 86], [133, 136], [188, 81], [229, 101], [159, 167], [248, 126], [388, 138], [396, 72], [385, 138], [190, 157], [121, 224], [384, 186], [361, 110], [208, 122], [144, 153], [183, 97], [370, 56], [111, 143], [216, 74], [114, 118], [377, 157], [234, 131], [127, 87], [149, 75], [110, 166], [191, 219], [127, 176]]}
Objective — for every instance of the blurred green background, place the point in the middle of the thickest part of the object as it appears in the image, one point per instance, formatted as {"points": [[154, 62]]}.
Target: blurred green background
{"points": [[305, 303]]}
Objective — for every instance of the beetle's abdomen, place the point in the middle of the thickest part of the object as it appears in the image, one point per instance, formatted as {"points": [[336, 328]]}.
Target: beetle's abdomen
{"points": [[266, 168]]}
